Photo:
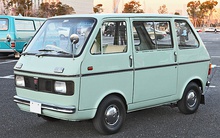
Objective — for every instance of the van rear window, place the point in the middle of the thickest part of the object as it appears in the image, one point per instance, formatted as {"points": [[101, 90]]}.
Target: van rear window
{"points": [[24, 25], [3, 24]]}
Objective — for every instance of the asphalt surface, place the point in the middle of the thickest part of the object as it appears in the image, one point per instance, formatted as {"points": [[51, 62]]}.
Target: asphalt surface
{"points": [[159, 122]]}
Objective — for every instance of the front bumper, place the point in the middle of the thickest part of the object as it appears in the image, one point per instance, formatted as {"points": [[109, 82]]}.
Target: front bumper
{"points": [[61, 109]]}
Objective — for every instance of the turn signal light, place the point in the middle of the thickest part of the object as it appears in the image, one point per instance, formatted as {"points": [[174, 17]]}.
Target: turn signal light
{"points": [[12, 44], [210, 69]]}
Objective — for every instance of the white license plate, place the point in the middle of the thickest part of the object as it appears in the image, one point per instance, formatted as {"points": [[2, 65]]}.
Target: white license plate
{"points": [[35, 107]]}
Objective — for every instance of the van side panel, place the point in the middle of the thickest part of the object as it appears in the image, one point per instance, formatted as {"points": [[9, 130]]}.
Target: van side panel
{"points": [[5, 46], [192, 68], [154, 62], [193, 60]]}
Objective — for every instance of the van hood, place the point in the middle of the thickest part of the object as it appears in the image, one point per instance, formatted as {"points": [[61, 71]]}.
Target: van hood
{"points": [[44, 65]]}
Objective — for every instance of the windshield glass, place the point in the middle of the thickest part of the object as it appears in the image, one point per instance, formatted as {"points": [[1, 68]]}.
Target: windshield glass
{"points": [[54, 37]]}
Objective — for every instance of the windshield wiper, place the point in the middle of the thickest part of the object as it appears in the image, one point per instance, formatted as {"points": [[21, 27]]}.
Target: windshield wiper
{"points": [[24, 53], [63, 52], [46, 50], [43, 52]]}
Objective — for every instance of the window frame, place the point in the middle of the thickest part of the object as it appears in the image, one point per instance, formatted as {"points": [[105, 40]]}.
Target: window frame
{"points": [[18, 22], [7, 21], [184, 47], [101, 33], [153, 41]]}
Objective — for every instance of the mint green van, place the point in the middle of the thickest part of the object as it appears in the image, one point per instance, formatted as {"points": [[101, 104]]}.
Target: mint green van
{"points": [[102, 66], [20, 29]]}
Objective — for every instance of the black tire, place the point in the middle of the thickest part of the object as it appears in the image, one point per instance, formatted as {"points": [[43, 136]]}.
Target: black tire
{"points": [[50, 119], [191, 99], [110, 115]]}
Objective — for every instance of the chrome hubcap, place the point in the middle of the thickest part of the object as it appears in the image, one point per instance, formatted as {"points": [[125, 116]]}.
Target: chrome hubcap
{"points": [[191, 99], [112, 115]]}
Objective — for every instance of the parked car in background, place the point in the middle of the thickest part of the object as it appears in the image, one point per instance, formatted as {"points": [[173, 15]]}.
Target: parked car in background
{"points": [[154, 34], [198, 29], [212, 29], [20, 29]]}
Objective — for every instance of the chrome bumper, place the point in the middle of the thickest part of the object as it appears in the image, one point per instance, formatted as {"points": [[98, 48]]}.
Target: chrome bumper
{"points": [[67, 110]]}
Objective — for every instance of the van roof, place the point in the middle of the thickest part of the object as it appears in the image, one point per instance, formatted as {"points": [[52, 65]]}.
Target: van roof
{"points": [[21, 17], [122, 15]]}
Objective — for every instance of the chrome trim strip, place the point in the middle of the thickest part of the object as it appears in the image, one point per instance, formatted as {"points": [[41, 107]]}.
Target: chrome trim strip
{"points": [[6, 50], [67, 110]]}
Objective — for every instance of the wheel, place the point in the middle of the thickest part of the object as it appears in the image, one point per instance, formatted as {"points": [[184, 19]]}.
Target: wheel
{"points": [[191, 99], [110, 115], [50, 119]]}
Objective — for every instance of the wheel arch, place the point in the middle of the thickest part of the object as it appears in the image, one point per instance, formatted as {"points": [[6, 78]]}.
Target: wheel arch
{"points": [[116, 94], [198, 81]]}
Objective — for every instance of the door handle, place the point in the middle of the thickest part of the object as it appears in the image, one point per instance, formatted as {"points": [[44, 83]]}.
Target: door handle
{"points": [[175, 56], [130, 60]]}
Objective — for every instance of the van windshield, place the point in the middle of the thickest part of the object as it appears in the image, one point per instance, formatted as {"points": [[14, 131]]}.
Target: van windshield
{"points": [[53, 39], [3, 24]]}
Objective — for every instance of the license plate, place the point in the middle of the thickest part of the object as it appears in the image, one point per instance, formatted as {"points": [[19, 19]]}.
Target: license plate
{"points": [[35, 107]]}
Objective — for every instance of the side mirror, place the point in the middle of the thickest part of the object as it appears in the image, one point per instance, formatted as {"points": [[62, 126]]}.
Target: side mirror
{"points": [[8, 38], [74, 38]]}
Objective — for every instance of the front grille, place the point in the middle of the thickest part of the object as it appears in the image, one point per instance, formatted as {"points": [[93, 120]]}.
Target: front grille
{"points": [[46, 85]]}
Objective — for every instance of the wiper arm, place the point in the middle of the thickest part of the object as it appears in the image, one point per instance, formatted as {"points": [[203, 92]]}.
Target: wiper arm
{"points": [[63, 52], [46, 50], [24, 53], [43, 52]]}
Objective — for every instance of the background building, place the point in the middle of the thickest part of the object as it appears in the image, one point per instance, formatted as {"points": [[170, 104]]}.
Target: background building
{"points": [[80, 6]]}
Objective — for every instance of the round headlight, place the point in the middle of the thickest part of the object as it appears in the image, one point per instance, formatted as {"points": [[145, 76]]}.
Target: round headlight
{"points": [[60, 87]]}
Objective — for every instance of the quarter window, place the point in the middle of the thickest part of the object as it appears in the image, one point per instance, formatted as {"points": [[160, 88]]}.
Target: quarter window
{"points": [[185, 36]]}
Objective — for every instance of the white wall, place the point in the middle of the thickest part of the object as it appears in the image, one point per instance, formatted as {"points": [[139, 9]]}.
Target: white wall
{"points": [[80, 6]]}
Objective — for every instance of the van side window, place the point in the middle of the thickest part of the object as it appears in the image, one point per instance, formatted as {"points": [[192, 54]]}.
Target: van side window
{"points": [[185, 35], [152, 35], [4, 24], [24, 25], [114, 38]]}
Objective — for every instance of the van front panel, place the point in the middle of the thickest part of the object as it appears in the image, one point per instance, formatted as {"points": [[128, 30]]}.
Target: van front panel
{"points": [[108, 64]]}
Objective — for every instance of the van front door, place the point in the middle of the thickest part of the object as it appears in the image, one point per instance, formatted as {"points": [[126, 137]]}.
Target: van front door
{"points": [[155, 62], [107, 67]]}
